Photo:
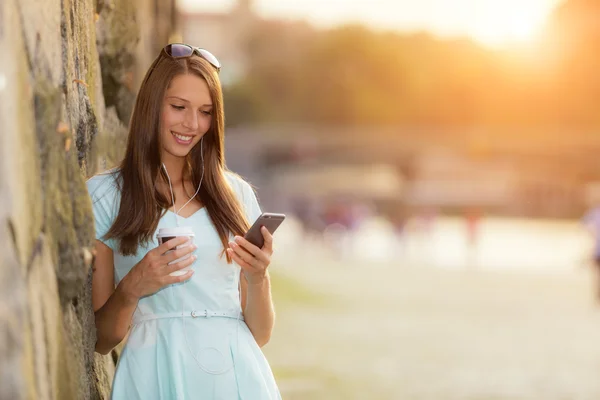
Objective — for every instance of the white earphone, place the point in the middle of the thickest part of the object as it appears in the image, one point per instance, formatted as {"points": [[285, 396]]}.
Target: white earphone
{"points": [[195, 194], [202, 367]]}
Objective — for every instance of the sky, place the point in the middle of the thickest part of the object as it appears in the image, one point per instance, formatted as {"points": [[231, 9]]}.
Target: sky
{"points": [[495, 23]]}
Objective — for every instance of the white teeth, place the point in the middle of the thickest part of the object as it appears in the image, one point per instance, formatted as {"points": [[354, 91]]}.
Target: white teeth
{"points": [[182, 138]]}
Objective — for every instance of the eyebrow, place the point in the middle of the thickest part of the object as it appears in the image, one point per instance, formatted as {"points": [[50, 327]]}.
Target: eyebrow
{"points": [[186, 101]]}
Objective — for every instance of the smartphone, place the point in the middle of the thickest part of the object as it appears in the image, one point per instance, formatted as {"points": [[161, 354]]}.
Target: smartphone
{"points": [[269, 220]]}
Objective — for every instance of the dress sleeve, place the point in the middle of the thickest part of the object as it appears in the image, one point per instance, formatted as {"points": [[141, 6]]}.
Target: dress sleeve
{"points": [[103, 195], [250, 201]]}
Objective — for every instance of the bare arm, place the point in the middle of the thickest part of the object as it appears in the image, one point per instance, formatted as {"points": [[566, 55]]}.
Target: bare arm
{"points": [[258, 309], [255, 284], [113, 308]]}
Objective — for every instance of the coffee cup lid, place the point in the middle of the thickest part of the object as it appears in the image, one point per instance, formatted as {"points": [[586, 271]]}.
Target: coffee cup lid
{"points": [[176, 231]]}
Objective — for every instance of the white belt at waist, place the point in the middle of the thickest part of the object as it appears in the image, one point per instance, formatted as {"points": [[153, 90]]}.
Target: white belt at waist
{"points": [[190, 314]]}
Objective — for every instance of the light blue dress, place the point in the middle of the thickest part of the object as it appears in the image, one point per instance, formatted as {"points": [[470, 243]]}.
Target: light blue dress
{"points": [[188, 340]]}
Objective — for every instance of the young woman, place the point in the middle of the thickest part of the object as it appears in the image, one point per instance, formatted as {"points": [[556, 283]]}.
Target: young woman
{"points": [[196, 335]]}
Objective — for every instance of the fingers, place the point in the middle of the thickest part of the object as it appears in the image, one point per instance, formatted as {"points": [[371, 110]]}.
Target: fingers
{"points": [[174, 255], [239, 260], [242, 254], [177, 279], [180, 265], [268, 246], [253, 250], [163, 248]]}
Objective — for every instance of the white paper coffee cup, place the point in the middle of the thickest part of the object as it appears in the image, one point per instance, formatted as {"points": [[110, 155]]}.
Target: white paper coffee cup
{"points": [[166, 234]]}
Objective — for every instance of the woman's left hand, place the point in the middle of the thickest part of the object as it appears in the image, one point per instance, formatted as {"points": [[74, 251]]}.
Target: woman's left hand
{"points": [[253, 261]]}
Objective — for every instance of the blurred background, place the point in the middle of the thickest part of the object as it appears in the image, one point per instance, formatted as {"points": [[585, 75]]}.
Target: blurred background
{"points": [[437, 161]]}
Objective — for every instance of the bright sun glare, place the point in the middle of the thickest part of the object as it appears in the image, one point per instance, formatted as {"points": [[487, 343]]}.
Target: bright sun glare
{"points": [[496, 23], [503, 22]]}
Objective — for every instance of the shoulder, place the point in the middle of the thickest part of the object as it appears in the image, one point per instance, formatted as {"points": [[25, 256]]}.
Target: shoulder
{"points": [[246, 194], [240, 186], [103, 184]]}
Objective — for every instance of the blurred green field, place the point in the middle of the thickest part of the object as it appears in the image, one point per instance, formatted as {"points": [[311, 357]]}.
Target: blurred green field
{"points": [[349, 330]]}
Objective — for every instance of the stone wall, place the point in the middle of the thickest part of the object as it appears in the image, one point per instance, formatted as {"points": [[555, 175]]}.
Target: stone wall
{"points": [[69, 70]]}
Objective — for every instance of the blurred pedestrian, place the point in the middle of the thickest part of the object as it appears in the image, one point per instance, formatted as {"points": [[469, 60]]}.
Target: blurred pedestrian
{"points": [[591, 221], [472, 221]]}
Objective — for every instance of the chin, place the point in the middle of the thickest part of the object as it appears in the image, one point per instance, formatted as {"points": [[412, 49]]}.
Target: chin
{"points": [[182, 154], [178, 152]]}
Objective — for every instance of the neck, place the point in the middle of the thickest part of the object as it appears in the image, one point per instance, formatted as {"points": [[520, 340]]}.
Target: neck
{"points": [[175, 166]]}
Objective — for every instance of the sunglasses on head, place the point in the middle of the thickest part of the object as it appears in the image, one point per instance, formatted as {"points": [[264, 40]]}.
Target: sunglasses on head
{"points": [[182, 50]]}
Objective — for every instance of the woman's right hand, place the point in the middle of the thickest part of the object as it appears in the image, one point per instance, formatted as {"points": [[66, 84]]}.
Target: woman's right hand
{"points": [[152, 272]]}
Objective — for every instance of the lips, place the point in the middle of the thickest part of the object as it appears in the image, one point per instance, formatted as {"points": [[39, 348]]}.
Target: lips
{"points": [[182, 139]]}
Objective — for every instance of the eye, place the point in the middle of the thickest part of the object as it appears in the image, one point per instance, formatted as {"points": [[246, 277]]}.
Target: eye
{"points": [[206, 112], [179, 108]]}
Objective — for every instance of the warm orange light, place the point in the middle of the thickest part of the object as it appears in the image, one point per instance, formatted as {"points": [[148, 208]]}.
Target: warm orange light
{"points": [[504, 22]]}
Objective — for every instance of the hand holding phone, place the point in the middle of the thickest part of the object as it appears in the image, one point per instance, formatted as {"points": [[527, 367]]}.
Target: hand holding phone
{"points": [[271, 221]]}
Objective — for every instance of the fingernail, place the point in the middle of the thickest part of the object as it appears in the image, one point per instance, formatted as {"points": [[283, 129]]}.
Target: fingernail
{"points": [[238, 238], [233, 244], [194, 258]]}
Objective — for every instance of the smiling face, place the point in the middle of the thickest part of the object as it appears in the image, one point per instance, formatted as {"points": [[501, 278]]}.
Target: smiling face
{"points": [[186, 115]]}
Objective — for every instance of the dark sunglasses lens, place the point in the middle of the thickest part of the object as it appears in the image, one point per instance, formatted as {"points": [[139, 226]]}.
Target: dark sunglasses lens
{"points": [[179, 50], [208, 56]]}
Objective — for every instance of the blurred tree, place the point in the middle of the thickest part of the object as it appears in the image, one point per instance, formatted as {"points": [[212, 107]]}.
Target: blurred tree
{"points": [[354, 76], [574, 34]]}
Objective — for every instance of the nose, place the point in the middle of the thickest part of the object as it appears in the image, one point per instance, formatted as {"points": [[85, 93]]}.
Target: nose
{"points": [[191, 120]]}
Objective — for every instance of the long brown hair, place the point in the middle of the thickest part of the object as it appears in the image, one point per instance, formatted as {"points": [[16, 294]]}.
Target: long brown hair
{"points": [[139, 177]]}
